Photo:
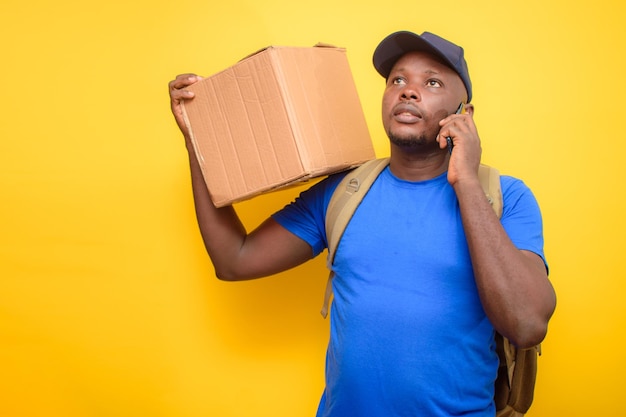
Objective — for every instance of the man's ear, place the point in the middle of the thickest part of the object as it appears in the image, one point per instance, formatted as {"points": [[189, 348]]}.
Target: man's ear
{"points": [[469, 109]]}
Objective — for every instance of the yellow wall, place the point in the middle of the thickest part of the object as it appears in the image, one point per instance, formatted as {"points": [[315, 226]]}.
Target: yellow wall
{"points": [[108, 305]]}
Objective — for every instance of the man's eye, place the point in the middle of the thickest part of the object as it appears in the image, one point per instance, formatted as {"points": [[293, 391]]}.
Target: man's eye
{"points": [[433, 83], [398, 81]]}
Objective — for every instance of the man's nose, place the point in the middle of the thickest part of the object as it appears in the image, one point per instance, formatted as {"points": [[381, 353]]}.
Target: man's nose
{"points": [[410, 93]]}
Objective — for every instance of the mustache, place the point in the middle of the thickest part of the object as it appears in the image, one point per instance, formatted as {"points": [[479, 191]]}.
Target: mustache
{"points": [[407, 108]]}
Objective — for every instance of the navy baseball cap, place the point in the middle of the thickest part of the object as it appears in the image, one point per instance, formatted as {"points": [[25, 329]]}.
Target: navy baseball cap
{"points": [[399, 43]]}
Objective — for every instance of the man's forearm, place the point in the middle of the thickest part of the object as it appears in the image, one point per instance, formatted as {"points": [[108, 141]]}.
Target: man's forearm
{"points": [[513, 285]]}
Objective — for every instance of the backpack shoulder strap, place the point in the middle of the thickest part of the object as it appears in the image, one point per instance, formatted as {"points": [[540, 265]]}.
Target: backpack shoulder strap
{"points": [[347, 197], [489, 178], [343, 203]]}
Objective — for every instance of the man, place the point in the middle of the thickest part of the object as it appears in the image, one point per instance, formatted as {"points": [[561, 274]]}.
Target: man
{"points": [[425, 270]]}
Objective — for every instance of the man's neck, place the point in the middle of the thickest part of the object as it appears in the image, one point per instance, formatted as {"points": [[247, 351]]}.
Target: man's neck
{"points": [[418, 166]]}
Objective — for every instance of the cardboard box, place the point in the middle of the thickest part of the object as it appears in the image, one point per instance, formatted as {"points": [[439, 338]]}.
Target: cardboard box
{"points": [[276, 118]]}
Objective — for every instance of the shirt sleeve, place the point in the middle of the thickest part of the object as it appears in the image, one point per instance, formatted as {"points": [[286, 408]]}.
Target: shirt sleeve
{"points": [[521, 217], [305, 216]]}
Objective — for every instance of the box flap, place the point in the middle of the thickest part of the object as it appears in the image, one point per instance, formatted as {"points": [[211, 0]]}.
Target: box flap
{"points": [[324, 109]]}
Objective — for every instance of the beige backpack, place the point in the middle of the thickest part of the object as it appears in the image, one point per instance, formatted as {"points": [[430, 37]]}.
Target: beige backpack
{"points": [[515, 384]]}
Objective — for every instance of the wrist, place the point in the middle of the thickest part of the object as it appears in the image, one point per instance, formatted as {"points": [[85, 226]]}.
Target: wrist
{"points": [[466, 183]]}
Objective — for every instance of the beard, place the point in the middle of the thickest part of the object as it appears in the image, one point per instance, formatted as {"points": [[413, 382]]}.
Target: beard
{"points": [[414, 143]]}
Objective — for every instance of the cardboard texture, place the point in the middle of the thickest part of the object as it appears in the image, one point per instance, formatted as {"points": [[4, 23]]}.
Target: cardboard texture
{"points": [[276, 118]]}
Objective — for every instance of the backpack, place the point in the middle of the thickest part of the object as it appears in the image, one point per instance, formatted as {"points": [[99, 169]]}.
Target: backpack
{"points": [[515, 383]]}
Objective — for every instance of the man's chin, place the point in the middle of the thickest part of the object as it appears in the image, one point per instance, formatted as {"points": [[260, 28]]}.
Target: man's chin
{"points": [[409, 142]]}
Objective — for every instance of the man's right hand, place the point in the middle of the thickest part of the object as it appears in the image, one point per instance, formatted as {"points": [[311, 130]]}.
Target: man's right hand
{"points": [[178, 93]]}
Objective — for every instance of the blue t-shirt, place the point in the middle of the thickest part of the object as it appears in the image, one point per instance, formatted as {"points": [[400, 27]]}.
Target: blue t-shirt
{"points": [[408, 334]]}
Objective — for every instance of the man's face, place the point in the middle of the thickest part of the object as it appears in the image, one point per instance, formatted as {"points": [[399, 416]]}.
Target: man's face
{"points": [[420, 92]]}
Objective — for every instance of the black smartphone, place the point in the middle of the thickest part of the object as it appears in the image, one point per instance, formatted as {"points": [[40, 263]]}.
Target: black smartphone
{"points": [[460, 110]]}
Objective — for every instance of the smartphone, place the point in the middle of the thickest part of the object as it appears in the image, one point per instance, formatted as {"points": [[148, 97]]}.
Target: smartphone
{"points": [[460, 110]]}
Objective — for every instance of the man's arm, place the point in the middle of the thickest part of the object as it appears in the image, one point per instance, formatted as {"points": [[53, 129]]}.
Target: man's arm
{"points": [[513, 284], [236, 255]]}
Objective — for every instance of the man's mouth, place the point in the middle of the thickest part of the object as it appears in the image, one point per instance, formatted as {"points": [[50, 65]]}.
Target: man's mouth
{"points": [[406, 113]]}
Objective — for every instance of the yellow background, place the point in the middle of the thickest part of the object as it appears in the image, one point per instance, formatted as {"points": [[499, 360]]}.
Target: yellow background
{"points": [[108, 304]]}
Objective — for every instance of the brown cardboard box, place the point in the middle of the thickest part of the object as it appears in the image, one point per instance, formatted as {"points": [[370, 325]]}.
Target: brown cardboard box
{"points": [[278, 117]]}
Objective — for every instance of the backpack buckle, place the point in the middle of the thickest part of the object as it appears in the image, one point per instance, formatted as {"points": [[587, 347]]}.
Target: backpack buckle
{"points": [[353, 185]]}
